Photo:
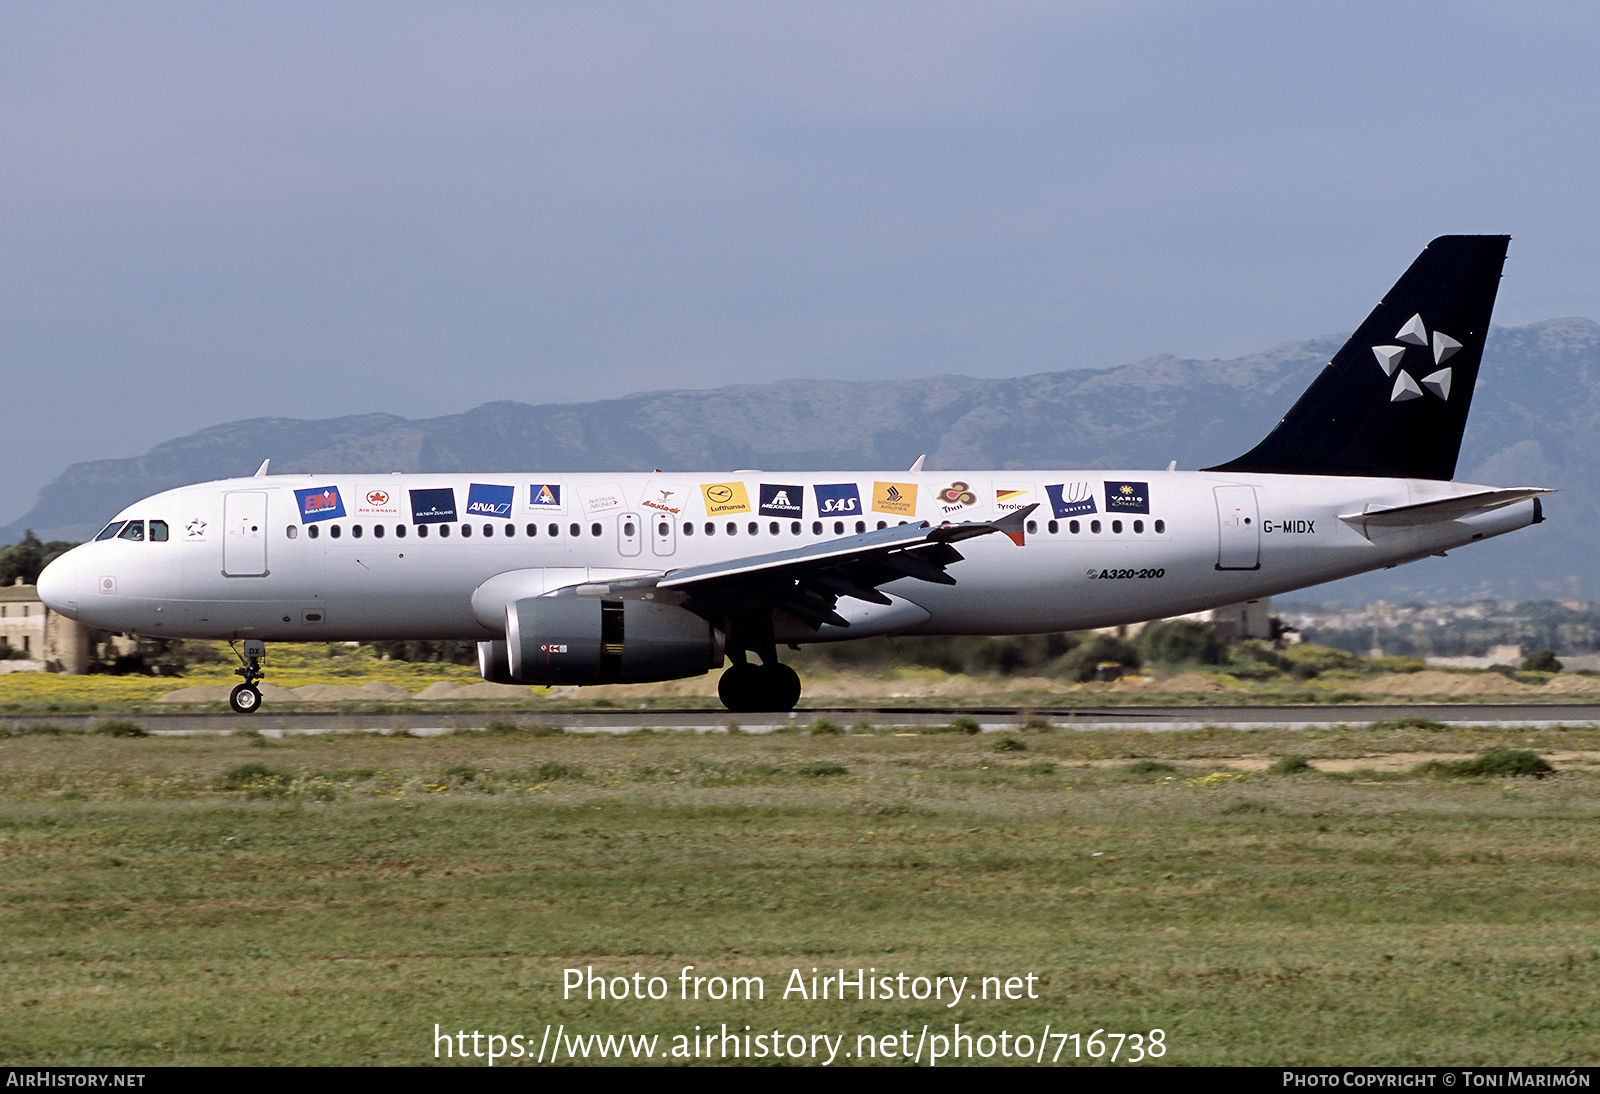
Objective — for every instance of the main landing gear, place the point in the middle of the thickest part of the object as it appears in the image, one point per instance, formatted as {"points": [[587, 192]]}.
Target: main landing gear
{"points": [[246, 698], [747, 688]]}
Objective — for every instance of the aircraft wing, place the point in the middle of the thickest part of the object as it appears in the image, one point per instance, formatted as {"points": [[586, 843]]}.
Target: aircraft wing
{"points": [[807, 582], [1429, 512]]}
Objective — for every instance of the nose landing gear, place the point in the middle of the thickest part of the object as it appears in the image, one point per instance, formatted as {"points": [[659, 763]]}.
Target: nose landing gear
{"points": [[246, 698]]}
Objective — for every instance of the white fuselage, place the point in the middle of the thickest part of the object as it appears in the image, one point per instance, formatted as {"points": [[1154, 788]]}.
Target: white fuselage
{"points": [[351, 557]]}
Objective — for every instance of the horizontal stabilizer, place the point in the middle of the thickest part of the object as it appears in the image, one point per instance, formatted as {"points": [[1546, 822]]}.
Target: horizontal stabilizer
{"points": [[1430, 512]]}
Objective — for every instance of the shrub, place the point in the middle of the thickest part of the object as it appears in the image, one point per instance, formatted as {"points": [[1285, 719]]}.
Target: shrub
{"points": [[121, 729], [1182, 641], [1291, 765], [968, 726], [824, 728], [1008, 744], [823, 768], [1495, 763], [1150, 767], [1541, 661], [1081, 663]]}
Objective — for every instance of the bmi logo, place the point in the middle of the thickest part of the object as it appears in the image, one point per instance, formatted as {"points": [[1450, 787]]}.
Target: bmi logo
{"points": [[1415, 336], [319, 503]]}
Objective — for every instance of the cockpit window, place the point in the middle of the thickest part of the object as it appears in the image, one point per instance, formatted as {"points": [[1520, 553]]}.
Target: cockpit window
{"points": [[158, 531], [134, 530], [110, 530]]}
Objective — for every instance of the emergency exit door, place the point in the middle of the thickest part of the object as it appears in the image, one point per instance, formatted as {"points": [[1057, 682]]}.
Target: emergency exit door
{"points": [[244, 534], [1238, 528]]}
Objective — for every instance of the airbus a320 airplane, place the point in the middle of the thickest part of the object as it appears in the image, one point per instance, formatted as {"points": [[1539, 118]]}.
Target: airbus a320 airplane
{"points": [[629, 578]]}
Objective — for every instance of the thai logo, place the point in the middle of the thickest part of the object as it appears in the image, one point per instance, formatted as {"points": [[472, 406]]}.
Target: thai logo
{"points": [[1071, 499], [319, 503], [895, 497], [958, 495], [1127, 497], [782, 501], [1415, 334]]}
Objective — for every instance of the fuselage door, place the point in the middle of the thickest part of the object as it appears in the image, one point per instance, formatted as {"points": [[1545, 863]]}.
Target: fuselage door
{"points": [[630, 534], [244, 534], [663, 534], [1238, 529]]}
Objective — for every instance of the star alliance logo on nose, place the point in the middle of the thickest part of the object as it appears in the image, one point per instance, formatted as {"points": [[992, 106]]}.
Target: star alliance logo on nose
{"points": [[1415, 334]]}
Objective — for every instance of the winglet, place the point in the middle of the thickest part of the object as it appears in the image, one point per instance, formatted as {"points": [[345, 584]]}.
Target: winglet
{"points": [[1013, 523], [918, 465], [261, 472]]}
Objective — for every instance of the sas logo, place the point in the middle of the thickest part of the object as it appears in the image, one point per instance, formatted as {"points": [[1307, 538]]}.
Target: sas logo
{"points": [[663, 497], [1127, 497], [840, 499], [782, 501], [895, 497], [319, 503], [544, 495], [1071, 499], [725, 497], [489, 501], [599, 499], [433, 506], [956, 496], [1008, 499]]}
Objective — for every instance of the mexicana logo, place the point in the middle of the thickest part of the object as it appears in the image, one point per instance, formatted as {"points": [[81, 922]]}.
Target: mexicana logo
{"points": [[1127, 497], [433, 506], [840, 499], [1071, 499], [782, 501], [319, 503], [488, 501]]}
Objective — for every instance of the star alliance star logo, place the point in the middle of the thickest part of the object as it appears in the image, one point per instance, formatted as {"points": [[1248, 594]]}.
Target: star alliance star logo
{"points": [[1415, 333], [196, 529]]}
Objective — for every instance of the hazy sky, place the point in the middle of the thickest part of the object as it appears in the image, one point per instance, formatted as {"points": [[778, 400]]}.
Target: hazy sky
{"points": [[211, 212]]}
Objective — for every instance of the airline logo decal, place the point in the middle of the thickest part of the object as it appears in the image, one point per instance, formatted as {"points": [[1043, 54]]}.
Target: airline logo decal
{"points": [[840, 499], [598, 499], [782, 501], [1008, 498], [664, 497], [545, 496], [1415, 334], [895, 497], [484, 500], [1127, 497], [725, 497], [319, 503], [957, 496], [195, 529], [377, 503], [433, 506], [1071, 499]]}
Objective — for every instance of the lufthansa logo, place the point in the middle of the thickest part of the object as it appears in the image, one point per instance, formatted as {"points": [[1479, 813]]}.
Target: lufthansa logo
{"points": [[720, 494]]}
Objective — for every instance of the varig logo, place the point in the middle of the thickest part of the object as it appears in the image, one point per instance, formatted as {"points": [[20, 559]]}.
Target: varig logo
{"points": [[1127, 497], [1415, 334]]}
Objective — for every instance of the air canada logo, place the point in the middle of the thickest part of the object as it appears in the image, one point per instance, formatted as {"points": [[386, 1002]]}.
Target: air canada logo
{"points": [[1417, 343], [377, 497]]}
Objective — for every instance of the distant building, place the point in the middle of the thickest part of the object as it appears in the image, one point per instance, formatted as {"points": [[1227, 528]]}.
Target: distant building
{"points": [[1231, 623], [47, 642]]}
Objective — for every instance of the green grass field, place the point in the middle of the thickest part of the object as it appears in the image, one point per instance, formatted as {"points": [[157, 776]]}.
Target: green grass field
{"points": [[328, 900]]}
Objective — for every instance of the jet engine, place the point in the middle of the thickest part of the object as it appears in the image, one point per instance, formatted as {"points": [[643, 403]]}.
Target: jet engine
{"points": [[586, 640]]}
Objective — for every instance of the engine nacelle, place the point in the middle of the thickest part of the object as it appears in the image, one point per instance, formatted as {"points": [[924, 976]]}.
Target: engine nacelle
{"points": [[494, 663], [587, 640]]}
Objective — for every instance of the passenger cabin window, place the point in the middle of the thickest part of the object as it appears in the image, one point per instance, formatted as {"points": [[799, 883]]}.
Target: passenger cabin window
{"points": [[292, 531], [422, 531], [466, 531], [1074, 527], [444, 531], [335, 531], [109, 531], [594, 529], [1161, 527], [555, 531], [1138, 527], [533, 530], [313, 531], [400, 531], [1116, 527], [133, 530], [158, 531], [1054, 526], [575, 530], [355, 531], [1033, 527], [1094, 526], [377, 531]]}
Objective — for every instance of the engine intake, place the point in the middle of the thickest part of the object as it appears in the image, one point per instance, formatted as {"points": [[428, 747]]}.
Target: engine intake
{"points": [[583, 640]]}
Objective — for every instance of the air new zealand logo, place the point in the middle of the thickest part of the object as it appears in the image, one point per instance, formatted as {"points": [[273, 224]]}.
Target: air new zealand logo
{"points": [[1415, 334]]}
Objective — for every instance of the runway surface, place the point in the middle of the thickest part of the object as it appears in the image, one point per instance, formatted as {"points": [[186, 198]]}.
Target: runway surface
{"points": [[990, 719]]}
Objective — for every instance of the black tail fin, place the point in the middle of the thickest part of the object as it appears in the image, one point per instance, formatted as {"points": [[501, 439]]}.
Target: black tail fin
{"points": [[1393, 402]]}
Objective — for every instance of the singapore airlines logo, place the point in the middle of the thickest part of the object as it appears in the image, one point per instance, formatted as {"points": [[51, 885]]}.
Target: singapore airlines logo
{"points": [[1415, 334]]}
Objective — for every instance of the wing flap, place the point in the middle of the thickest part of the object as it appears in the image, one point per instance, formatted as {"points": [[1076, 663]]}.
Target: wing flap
{"points": [[1431, 512]]}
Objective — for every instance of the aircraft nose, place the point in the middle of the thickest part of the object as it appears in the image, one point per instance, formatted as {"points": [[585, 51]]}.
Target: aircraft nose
{"points": [[60, 584]]}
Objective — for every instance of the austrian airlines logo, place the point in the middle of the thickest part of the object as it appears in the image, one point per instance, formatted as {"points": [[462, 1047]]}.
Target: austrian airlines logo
{"points": [[1415, 334]]}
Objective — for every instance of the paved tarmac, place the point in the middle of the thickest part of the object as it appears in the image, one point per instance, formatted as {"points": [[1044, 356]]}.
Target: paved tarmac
{"points": [[990, 719]]}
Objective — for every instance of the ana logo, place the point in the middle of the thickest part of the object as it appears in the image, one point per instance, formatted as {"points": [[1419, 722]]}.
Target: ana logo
{"points": [[1071, 499], [544, 495], [489, 501], [840, 499], [895, 497], [956, 496], [1415, 334], [1127, 497], [782, 501], [319, 503], [725, 497], [377, 497]]}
